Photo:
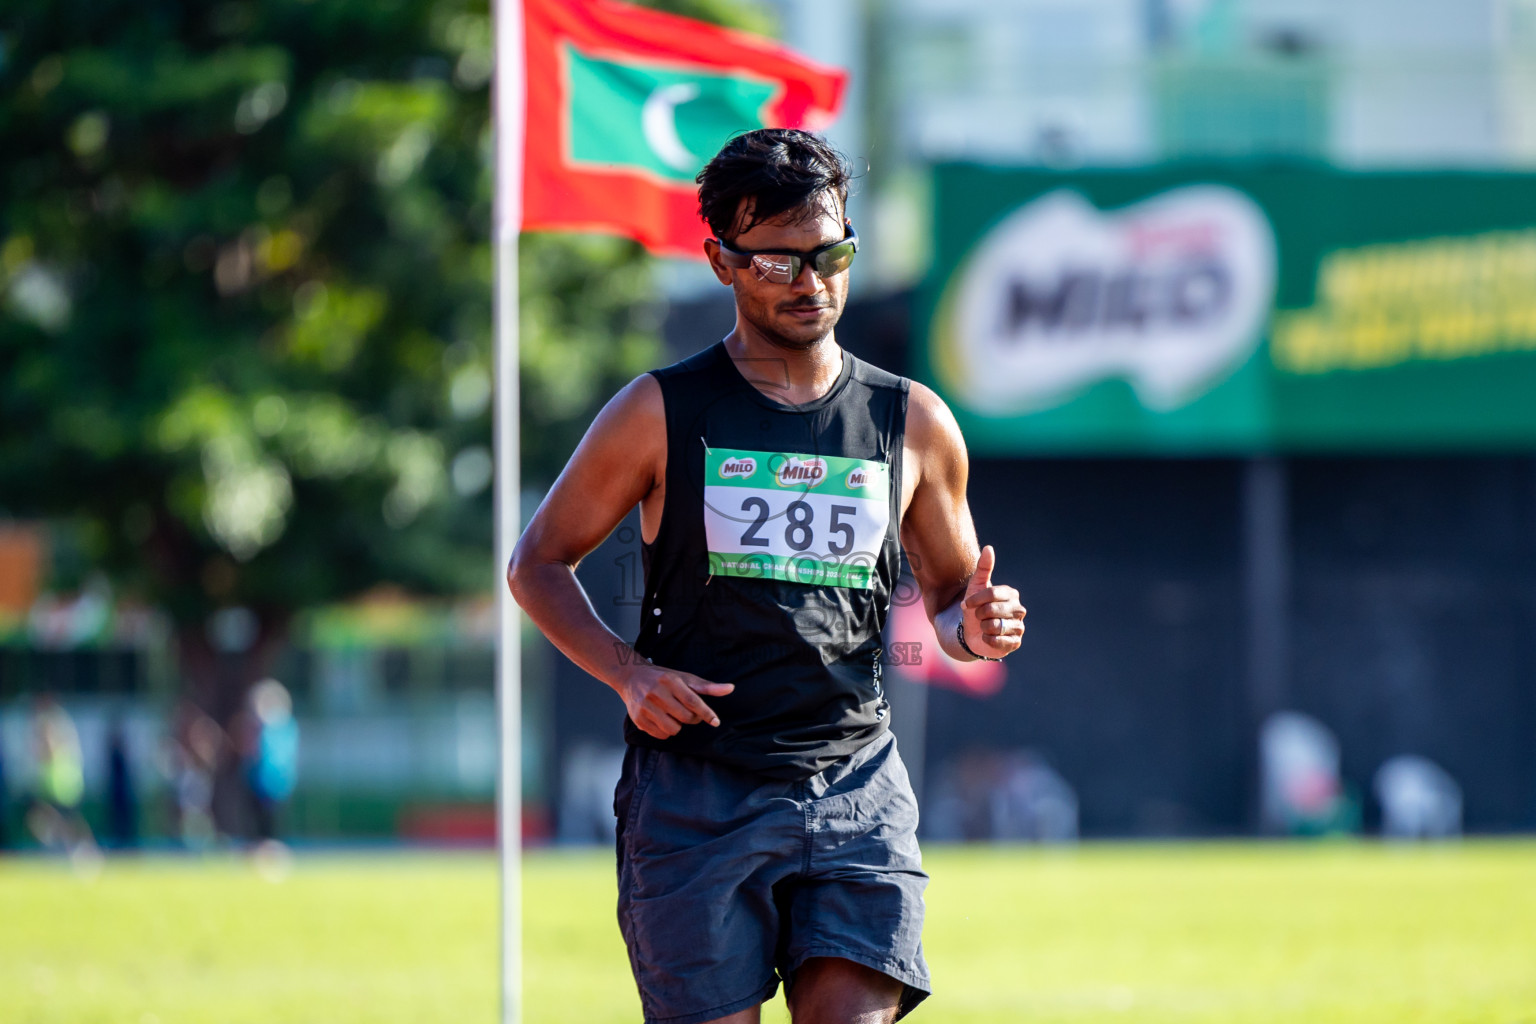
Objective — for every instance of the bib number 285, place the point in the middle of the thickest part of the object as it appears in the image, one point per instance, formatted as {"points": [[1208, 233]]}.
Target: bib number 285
{"points": [[802, 518]]}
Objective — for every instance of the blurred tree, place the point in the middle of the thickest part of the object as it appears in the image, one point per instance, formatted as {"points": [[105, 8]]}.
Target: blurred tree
{"points": [[245, 320]]}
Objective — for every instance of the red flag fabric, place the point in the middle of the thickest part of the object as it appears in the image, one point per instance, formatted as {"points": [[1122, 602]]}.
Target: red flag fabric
{"points": [[626, 104], [924, 661]]}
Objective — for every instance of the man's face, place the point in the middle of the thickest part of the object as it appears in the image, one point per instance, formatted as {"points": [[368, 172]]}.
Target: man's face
{"points": [[799, 314]]}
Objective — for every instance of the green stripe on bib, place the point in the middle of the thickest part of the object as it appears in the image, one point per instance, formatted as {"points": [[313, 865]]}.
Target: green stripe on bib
{"points": [[799, 569], [822, 474]]}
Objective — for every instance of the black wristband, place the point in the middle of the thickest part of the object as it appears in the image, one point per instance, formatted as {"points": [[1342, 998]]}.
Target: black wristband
{"points": [[960, 636]]}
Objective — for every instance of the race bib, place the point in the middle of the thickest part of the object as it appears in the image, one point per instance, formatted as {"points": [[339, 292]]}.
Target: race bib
{"points": [[817, 519]]}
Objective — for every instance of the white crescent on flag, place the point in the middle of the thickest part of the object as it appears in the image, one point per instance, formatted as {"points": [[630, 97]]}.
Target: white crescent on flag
{"points": [[658, 119]]}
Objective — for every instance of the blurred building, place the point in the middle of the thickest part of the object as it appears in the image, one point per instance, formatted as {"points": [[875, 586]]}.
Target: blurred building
{"points": [[1095, 82]]}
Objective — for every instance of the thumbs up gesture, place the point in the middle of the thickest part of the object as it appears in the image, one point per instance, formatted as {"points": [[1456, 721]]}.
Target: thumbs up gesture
{"points": [[991, 616]]}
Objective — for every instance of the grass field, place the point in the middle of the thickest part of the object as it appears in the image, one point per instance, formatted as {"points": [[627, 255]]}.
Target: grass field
{"points": [[1235, 934]]}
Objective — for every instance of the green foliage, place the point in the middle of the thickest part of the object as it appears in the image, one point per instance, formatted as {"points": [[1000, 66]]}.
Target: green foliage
{"points": [[244, 260], [245, 295], [745, 15]]}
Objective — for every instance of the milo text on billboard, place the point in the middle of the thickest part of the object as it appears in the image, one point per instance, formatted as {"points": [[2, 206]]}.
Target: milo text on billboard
{"points": [[1227, 309], [1169, 294], [1079, 301]]}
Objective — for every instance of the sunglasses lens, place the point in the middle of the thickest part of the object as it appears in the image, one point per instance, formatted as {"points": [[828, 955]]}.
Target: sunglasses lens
{"points": [[780, 268], [835, 260]]}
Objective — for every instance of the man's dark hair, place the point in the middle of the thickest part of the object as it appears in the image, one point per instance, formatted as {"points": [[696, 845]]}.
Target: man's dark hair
{"points": [[781, 169]]}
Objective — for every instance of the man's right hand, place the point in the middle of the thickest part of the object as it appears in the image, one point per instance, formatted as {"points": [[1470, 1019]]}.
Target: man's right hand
{"points": [[662, 700]]}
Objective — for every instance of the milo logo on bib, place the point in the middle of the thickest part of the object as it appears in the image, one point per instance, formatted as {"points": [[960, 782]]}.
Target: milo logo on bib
{"points": [[737, 467], [797, 472], [802, 518]]}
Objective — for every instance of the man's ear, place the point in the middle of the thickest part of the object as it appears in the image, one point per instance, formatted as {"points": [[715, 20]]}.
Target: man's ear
{"points": [[712, 253]]}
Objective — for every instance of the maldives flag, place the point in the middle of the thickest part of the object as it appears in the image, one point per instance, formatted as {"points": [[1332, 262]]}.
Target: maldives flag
{"points": [[627, 104]]}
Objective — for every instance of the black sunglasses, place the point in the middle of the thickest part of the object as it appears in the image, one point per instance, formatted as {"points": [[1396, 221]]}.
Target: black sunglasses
{"points": [[783, 266]]}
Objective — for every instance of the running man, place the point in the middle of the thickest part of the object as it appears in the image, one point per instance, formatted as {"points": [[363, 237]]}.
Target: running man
{"points": [[766, 826]]}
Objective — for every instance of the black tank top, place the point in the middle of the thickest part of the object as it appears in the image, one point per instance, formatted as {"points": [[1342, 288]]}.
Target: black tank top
{"points": [[775, 559]]}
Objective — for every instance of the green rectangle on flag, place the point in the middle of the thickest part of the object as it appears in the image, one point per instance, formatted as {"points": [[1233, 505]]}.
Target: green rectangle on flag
{"points": [[657, 118]]}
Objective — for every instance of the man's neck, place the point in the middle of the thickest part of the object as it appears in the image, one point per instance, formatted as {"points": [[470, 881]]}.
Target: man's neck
{"points": [[792, 376]]}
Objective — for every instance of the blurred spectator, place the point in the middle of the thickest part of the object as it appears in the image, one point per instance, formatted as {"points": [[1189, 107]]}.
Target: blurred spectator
{"points": [[1419, 799], [122, 802], [589, 774], [1014, 795], [270, 754], [197, 744], [1032, 802], [54, 817], [5, 797], [1301, 790]]}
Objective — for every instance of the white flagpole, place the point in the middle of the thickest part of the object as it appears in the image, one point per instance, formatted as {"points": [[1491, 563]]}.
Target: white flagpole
{"points": [[509, 116]]}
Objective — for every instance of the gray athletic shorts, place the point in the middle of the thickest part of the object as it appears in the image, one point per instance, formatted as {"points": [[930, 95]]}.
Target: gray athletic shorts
{"points": [[729, 881]]}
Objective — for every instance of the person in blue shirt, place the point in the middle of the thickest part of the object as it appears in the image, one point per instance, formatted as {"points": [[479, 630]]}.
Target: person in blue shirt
{"points": [[271, 754]]}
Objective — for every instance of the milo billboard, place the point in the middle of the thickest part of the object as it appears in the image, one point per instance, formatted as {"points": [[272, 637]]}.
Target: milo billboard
{"points": [[1220, 310]]}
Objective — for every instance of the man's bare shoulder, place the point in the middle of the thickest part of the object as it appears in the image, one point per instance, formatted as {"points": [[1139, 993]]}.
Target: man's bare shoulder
{"points": [[635, 415], [630, 433], [932, 432]]}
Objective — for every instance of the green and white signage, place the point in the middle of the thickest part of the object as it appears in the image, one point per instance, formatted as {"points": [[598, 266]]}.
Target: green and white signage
{"points": [[803, 518], [1229, 310]]}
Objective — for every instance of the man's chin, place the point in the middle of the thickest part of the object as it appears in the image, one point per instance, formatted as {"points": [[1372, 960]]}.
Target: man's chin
{"points": [[799, 332]]}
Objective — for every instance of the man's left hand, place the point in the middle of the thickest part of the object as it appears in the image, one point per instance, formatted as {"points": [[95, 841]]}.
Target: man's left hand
{"points": [[993, 616]]}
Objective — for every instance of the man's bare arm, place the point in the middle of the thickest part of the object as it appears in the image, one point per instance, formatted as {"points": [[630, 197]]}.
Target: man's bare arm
{"points": [[940, 539], [621, 459]]}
